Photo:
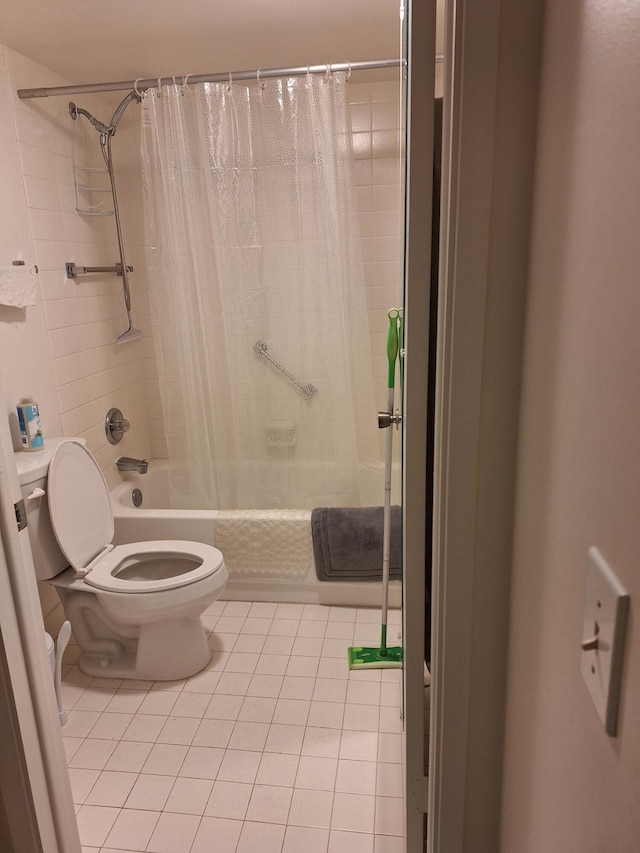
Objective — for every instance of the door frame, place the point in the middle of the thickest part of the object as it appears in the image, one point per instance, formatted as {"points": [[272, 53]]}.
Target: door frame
{"points": [[491, 80], [421, 29]]}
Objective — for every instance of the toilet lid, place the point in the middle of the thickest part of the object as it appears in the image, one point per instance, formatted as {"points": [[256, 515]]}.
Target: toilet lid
{"points": [[79, 504]]}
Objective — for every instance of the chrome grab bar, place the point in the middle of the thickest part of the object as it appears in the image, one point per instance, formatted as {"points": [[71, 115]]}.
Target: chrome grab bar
{"points": [[72, 270], [260, 349]]}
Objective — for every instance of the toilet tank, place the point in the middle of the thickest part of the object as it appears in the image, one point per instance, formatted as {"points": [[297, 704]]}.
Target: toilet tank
{"points": [[32, 470]]}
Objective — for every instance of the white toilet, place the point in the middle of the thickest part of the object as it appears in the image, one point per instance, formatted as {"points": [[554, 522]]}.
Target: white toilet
{"points": [[134, 609]]}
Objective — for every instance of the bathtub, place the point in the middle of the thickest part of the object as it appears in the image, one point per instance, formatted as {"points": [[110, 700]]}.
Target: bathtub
{"points": [[294, 580]]}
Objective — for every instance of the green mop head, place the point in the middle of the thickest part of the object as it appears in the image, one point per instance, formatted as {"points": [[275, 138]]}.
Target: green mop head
{"points": [[363, 657], [360, 657]]}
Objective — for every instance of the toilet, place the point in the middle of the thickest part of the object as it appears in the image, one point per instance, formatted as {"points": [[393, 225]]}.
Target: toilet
{"points": [[134, 609]]}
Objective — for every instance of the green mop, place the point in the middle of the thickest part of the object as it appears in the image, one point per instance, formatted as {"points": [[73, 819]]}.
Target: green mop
{"points": [[372, 657]]}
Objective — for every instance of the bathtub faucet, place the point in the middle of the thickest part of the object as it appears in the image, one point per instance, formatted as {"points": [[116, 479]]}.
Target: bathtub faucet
{"points": [[126, 463]]}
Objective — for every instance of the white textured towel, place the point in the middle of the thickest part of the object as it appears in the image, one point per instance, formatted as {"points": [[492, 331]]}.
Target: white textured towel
{"points": [[18, 286], [268, 542]]}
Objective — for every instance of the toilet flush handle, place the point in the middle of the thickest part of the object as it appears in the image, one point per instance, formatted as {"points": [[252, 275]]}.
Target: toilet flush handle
{"points": [[36, 493]]}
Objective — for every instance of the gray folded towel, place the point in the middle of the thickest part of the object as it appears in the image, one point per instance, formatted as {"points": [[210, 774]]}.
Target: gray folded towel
{"points": [[347, 543]]}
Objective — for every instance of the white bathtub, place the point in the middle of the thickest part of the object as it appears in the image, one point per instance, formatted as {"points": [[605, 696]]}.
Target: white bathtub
{"points": [[246, 583]]}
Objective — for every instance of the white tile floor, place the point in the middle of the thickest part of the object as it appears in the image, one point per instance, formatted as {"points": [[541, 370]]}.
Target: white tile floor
{"points": [[276, 747]]}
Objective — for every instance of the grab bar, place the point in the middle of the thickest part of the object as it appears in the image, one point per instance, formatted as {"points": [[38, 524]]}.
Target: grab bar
{"points": [[72, 270], [260, 349]]}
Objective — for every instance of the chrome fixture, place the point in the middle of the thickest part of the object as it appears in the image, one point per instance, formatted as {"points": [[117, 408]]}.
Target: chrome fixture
{"points": [[115, 426], [218, 77], [106, 134], [72, 270], [385, 419], [126, 463], [260, 349]]}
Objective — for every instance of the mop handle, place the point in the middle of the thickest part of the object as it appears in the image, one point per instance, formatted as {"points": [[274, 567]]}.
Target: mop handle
{"points": [[392, 354]]}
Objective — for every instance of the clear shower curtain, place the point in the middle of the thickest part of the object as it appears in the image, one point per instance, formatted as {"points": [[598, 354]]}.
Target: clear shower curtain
{"points": [[254, 254]]}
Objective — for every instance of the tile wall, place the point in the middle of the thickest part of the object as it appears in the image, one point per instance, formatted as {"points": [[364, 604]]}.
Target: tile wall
{"points": [[84, 316], [62, 351], [375, 120]]}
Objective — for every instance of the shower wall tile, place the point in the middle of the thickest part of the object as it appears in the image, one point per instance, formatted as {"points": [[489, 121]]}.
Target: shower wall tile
{"points": [[375, 107], [385, 115], [387, 197], [386, 170], [385, 223], [385, 143], [386, 90], [361, 117], [82, 317]]}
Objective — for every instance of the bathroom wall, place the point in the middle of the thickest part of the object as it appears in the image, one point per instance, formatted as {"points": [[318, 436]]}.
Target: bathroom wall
{"points": [[62, 351], [378, 175], [569, 786]]}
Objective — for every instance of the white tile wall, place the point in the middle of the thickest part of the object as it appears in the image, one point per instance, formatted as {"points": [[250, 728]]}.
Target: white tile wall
{"points": [[377, 174], [83, 316]]}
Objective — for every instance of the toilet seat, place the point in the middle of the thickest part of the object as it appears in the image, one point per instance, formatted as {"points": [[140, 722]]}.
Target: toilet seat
{"points": [[82, 521], [106, 573]]}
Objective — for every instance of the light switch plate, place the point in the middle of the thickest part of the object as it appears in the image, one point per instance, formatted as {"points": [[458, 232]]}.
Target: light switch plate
{"points": [[603, 634]]}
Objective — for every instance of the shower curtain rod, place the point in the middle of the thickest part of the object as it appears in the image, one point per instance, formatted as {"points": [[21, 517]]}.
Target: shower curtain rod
{"points": [[225, 77]]}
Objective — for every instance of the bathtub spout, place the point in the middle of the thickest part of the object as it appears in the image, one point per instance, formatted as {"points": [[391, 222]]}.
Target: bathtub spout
{"points": [[126, 463]]}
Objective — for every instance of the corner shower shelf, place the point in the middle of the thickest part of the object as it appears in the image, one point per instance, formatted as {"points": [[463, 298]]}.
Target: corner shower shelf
{"points": [[88, 183]]}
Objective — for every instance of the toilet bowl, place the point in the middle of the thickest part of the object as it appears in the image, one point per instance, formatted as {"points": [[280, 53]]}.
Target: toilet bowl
{"points": [[134, 609]]}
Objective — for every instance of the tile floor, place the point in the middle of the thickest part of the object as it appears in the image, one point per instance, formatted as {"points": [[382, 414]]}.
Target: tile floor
{"points": [[276, 747]]}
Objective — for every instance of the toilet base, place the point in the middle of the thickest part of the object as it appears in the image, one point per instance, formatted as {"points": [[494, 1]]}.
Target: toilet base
{"points": [[166, 651]]}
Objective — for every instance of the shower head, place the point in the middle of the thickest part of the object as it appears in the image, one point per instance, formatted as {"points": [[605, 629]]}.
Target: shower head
{"points": [[117, 115], [130, 335]]}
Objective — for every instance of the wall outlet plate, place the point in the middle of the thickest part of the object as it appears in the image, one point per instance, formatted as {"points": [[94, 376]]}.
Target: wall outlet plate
{"points": [[603, 635]]}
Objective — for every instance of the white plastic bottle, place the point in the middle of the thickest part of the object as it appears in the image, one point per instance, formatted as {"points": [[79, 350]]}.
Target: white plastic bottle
{"points": [[30, 426]]}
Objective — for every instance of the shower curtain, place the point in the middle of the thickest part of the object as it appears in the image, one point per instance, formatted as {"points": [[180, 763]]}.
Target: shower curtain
{"points": [[254, 257]]}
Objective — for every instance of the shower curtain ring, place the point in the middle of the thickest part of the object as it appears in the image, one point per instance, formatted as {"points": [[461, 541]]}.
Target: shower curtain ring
{"points": [[327, 73], [159, 87], [260, 82], [348, 71], [185, 83], [230, 84], [135, 88]]}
